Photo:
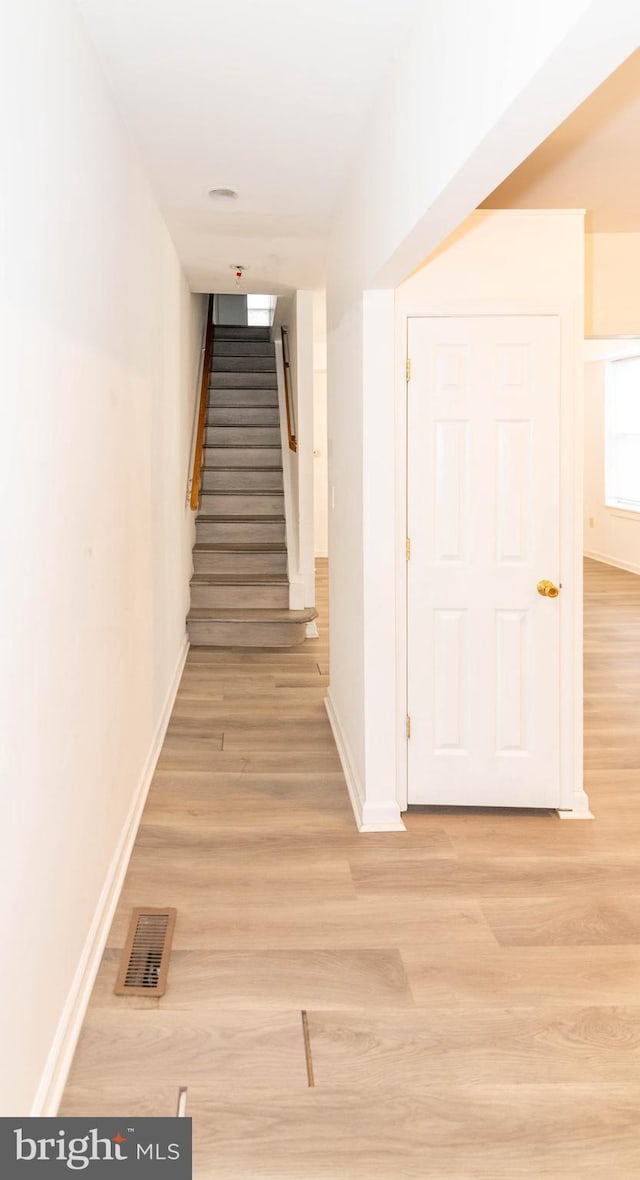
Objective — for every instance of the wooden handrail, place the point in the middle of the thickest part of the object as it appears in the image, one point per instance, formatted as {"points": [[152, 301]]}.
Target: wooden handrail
{"points": [[194, 499], [288, 396]]}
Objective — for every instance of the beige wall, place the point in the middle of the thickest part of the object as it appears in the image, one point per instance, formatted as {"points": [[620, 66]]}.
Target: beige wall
{"points": [[612, 284]]}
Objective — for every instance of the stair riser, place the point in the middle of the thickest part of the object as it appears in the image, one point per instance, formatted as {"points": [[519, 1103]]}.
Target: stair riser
{"points": [[242, 480], [276, 597], [212, 634], [242, 347], [243, 397], [244, 364], [232, 504], [237, 332], [243, 416], [237, 564], [242, 436], [242, 380], [239, 532], [241, 457]]}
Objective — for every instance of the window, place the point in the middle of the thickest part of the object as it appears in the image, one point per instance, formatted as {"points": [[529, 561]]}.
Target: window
{"points": [[622, 433], [260, 310]]}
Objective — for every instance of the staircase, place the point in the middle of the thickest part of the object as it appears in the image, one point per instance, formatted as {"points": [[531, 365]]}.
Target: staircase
{"points": [[239, 588]]}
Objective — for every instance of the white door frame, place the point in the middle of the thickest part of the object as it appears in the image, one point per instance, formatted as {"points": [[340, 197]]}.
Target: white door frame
{"points": [[574, 802]]}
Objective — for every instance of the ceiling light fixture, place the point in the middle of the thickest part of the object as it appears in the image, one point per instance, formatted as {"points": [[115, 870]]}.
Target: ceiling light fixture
{"points": [[223, 194]]}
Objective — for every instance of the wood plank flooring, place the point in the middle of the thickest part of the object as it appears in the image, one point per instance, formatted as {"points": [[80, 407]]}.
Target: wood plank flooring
{"points": [[472, 985]]}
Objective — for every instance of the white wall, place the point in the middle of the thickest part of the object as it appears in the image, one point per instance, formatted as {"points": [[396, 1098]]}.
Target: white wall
{"points": [[285, 316], [477, 88], [320, 463], [346, 586], [610, 534], [295, 312], [100, 346], [610, 348], [612, 303]]}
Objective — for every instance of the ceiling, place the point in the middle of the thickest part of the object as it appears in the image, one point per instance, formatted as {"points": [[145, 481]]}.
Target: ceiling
{"points": [[266, 98], [592, 161]]}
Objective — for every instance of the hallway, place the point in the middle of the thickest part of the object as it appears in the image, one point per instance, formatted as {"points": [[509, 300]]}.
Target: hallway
{"points": [[471, 985]]}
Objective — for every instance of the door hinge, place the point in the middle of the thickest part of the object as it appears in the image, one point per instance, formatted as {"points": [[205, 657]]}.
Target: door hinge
{"points": [[408, 727], [408, 369], [408, 548]]}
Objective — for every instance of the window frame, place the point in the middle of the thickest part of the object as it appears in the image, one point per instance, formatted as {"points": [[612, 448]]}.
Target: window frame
{"points": [[260, 316], [618, 506]]}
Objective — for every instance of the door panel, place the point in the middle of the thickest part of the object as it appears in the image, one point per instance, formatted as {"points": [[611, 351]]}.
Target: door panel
{"points": [[483, 518]]}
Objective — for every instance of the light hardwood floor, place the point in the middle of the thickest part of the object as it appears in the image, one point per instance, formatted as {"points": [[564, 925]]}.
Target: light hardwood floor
{"points": [[472, 985]]}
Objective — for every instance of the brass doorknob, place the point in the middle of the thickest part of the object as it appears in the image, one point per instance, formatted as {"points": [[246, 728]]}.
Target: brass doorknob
{"points": [[548, 590]]}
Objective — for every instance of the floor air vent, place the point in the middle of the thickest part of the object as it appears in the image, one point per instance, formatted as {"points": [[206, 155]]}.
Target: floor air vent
{"points": [[145, 962]]}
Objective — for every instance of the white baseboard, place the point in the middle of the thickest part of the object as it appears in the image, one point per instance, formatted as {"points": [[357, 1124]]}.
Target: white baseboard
{"points": [[382, 819], [368, 818], [312, 630], [354, 786], [580, 808], [606, 559], [58, 1064]]}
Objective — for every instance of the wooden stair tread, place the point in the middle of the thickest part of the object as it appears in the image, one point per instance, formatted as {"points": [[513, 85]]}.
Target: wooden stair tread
{"points": [[240, 579], [251, 615], [205, 519], [241, 546], [243, 492], [242, 331], [215, 467]]}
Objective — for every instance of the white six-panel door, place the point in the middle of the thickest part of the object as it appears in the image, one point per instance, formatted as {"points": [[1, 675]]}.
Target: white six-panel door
{"points": [[483, 521]]}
